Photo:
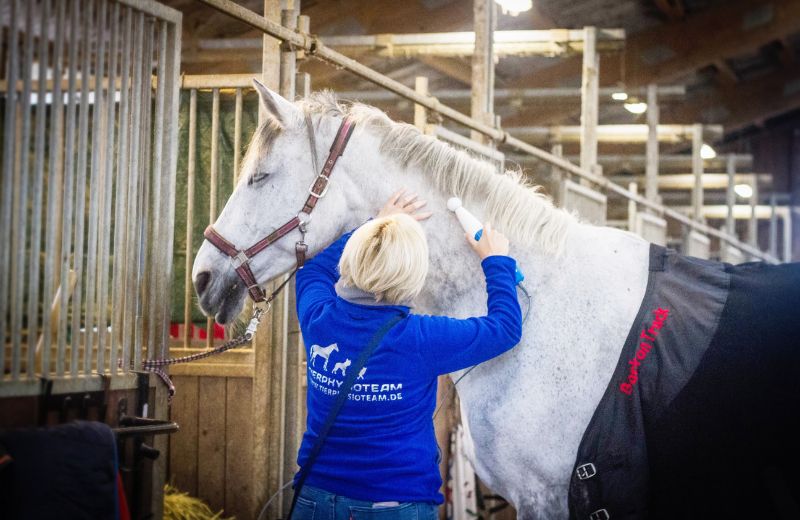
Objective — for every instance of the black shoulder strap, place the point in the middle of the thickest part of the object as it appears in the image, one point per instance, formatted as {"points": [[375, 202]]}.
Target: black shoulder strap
{"points": [[341, 398]]}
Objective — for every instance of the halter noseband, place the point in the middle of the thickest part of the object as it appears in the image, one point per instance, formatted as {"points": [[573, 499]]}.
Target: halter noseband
{"points": [[241, 257]]}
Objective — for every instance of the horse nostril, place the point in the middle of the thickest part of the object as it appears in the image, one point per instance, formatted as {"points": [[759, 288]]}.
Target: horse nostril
{"points": [[201, 282]]}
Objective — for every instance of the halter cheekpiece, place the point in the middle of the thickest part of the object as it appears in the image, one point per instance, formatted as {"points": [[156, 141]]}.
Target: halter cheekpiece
{"points": [[241, 257]]}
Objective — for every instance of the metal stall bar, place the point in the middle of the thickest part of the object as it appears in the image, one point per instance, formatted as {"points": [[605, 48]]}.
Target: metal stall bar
{"points": [[316, 47], [95, 192], [190, 174], [212, 198], [130, 317], [172, 57], [156, 246], [38, 187], [142, 281], [121, 209], [9, 131], [69, 174], [106, 184], [19, 223], [54, 193], [76, 338]]}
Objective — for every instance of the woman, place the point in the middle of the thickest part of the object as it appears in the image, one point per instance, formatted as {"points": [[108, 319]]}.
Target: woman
{"points": [[380, 458]]}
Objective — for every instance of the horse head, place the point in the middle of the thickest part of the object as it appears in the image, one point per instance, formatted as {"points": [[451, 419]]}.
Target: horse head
{"points": [[276, 174]]}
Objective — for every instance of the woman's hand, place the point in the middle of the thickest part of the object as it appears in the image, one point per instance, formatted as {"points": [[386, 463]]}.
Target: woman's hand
{"points": [[408, 204], [491, 243]]}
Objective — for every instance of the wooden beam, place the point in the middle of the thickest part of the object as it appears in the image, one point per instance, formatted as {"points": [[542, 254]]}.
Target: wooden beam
{"points": [[670, 51], [747, 103], [454, 68]]}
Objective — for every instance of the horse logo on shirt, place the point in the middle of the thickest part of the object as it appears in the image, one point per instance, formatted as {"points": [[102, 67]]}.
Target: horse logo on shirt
{"points": [[323, 352], [341, 367]]}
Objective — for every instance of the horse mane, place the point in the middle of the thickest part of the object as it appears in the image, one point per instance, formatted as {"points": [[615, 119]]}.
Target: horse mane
{"points": [[513, 205]]}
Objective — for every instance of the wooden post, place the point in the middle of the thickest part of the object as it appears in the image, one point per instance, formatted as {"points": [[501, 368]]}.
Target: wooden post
{"points": [[283, 387], [773, 226], [697, 171], [482, 103], [651, 153], [752, 231], [264, 461], [730, 196], [590, 82], [557, 174], [420, 112]]}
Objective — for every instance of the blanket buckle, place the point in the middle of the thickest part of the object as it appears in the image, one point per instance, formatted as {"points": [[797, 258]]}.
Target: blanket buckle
{"points": [[586, 471]]}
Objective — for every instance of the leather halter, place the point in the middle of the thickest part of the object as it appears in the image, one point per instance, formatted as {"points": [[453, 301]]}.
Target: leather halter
{"points": [[241, 257]]}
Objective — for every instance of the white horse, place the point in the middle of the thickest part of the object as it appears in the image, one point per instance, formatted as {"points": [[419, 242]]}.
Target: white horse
{"points": [[323, 352], [526, 410]]}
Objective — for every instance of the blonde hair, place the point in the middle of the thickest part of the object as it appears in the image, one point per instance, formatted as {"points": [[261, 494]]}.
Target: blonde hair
{"points": [[387, 257]]}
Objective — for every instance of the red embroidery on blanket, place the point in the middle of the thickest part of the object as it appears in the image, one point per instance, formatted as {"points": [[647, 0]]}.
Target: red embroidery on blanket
{"points": [[648, 337]]}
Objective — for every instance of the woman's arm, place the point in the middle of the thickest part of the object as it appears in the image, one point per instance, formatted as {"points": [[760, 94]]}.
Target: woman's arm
{"points": [[449, 344]]}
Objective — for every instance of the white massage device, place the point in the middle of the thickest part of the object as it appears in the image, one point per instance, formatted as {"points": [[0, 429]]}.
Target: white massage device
{"points": [[471, 224]]}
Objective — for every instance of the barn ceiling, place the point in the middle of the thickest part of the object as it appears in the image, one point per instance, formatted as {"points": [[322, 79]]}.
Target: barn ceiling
{"points": [[737, 58]]}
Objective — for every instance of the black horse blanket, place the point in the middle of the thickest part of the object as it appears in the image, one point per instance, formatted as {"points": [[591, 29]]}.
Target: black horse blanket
{"points": [[698, 420]]}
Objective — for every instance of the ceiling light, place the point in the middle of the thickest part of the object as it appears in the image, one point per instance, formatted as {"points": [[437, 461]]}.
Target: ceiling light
{"points": [[706, 152], [619, 96], [636, 107], [745, 191], [514, 7]]}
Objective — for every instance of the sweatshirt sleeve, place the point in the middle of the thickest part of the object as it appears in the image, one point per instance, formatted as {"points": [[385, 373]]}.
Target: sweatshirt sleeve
{"points": [[450, 344], [315, 281]]}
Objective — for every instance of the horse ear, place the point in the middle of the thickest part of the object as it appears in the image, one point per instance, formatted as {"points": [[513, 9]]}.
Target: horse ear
{"points": [[275, 105]]}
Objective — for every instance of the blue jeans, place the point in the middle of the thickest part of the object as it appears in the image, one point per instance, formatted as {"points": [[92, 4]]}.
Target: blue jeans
{"points": [[317, 504]]}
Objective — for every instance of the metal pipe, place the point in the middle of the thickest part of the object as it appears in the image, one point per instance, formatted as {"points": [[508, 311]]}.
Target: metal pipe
{"points": [[190, 174], [316, 47], [36, 205], [107, 182], [131, 321], [118, 336], [19, 223], [80, 196], [173, 59], [95, 191], [156, 246], [54, 187], [143, 279], [8, 178], [552, 42], [69, 173]]}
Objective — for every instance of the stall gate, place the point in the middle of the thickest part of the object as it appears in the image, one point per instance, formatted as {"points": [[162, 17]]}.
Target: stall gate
{"points": [[89, 113]]}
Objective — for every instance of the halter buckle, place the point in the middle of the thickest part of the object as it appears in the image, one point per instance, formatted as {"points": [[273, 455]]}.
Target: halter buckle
{"points": [[324, 190], [304, 219], [239, 260]]}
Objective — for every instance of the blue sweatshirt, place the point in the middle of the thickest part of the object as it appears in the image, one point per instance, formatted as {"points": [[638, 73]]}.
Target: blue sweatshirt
{"points": [[382, 446]]}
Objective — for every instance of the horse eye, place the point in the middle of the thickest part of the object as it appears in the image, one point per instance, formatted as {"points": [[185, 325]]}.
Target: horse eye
{"points": [[257, 177]]}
